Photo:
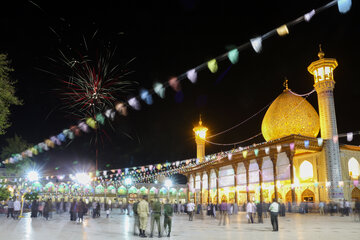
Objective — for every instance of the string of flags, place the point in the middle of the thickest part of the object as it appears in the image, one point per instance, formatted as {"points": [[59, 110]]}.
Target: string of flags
{"points": [[159, 88], [150, 173]]}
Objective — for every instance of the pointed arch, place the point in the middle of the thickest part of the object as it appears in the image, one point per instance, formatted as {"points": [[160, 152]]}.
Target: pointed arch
{"points": [[354, 168], [308, 196], [306, 170], [355, 194]]}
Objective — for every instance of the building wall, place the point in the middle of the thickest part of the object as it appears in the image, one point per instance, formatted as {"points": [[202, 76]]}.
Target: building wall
{"points": [[345, 156]]}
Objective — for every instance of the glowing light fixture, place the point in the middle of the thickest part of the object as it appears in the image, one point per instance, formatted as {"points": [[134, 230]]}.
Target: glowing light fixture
{"points": [[168, 183], [33, 176], [128, 181], [83, 178]]}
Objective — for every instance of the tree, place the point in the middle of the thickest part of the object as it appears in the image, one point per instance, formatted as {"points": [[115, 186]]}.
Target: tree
{"points": [[4, 194], [15, 145], [7, 93]]}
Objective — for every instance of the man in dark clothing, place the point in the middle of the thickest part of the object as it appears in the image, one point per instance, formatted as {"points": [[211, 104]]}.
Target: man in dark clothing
{"points": [[357, 209], [47, 209], [168, 213], [10, 212], [259, 211], [73, 208], [136, 218], [80, 211]]}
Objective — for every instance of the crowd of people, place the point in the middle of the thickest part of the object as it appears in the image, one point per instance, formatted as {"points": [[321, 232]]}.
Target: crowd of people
{"points": [[142, 210]]}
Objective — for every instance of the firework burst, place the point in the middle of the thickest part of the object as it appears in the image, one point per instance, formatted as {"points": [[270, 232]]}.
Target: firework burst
{"points": [[91, 86]]}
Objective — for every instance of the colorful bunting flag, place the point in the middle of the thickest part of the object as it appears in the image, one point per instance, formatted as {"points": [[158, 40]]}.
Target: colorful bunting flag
{"points": [[282, 30], [233, 56], [344, 6], [192, 75], [134, 103], [212, 65], [146, 96], [256, 44]]}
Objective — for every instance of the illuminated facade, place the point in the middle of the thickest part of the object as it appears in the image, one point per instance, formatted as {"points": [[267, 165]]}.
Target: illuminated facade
{"points": [[293, 165]]}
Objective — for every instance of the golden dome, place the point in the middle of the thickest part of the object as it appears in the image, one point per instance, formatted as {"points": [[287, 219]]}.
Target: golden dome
{"points": [[290, 114]]}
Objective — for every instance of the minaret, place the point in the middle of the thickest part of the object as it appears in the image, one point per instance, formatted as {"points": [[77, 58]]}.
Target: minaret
{"points": [[322, 70], [200, 136]]}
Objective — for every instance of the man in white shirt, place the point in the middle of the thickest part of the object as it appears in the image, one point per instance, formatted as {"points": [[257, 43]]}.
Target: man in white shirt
{"points": [[17, 208], [274, 210], [250, 210], [190, 207]]}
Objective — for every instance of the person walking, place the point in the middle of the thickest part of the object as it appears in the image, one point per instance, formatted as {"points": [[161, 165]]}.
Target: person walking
{"points": [[190, 207], [47, 209], [107, 210], [321, 208], [357, 210], [34, 209], [17, 208], [73, 208], [347, 207], [143, 211], [223, 212], [259, 211], [41, 208], [10, 204], [155, 216], [136, 218], [274, 211], [168, 213], [80, 209], [250, 209]]}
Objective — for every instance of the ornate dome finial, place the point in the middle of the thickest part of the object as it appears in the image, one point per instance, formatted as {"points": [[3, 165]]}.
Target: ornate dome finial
{"points": [[321, 54], [285, 84], [200, 122]]}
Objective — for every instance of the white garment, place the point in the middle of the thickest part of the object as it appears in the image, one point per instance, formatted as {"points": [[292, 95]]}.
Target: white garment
{"points": [[17, 205], [190, 207], [274, 207], [250, 208]]}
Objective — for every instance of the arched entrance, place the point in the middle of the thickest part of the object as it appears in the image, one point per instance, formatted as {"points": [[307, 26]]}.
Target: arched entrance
{"points": [[308, 196], [288, 197], [279, 196], [355, 194]]}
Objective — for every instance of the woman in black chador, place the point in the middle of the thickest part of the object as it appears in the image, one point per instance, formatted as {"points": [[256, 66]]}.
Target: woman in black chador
{"points": [[34, 209]]}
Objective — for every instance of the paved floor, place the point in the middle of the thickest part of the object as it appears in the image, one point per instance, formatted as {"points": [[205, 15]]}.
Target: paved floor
{"points": [[293, 226]]}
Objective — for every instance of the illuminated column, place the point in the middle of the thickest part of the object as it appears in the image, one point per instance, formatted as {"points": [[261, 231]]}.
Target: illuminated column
{"points": [[200, 136], [194, 187], [208, 174], [235, 182], [217, 186], [290, 155], [259, 162], [188, 187], [246, 164], [324, 84], [201, 188], [273, 158]]}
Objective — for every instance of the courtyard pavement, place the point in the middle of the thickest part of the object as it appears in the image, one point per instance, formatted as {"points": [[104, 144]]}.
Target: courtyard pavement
{"points": [[293, 226]]}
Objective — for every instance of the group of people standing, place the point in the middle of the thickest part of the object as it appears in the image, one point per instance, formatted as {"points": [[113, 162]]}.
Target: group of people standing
{"points": [[14, 208], [142, 210], [41, 208]]}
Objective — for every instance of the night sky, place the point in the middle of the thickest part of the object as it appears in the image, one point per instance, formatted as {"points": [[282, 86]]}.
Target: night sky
{"points": [[168, 38]]}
